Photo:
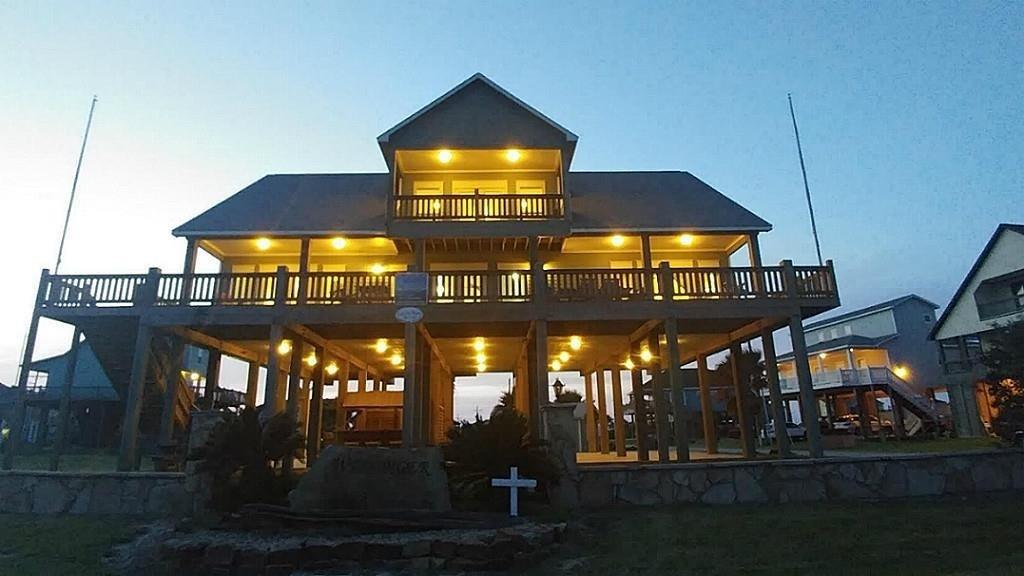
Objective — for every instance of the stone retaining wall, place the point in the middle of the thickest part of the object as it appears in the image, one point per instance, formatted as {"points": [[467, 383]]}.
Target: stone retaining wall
{"points": [[156, 493], [276, 553], [852, 478]]}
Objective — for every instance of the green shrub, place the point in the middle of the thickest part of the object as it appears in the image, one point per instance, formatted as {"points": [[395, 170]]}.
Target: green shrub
{"points": [[484, 449], [239, 455]]}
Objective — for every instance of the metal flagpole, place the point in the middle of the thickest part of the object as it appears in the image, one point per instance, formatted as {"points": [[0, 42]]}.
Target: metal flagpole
{"points": [[74, 186], [807, 190]]}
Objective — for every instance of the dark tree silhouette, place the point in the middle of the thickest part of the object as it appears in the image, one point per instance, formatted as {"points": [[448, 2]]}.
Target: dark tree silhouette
{"points": [[1004, 359]]}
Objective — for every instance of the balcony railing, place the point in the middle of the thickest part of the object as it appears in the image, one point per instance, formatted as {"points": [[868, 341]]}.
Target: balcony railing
{"points": [[444, 287], [474, 207]]}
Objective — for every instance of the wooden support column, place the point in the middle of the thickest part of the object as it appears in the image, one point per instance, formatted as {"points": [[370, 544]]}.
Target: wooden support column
{"points": [[808, 403], [410, 404], [172, 383], [645, 255], [660, 401], [675, 378], [303, 270], [15, 439], [602, 413], [127, 458], [361, 385], [65, 400], [589, 419], [532, 399], [899, 429], [862, 413], [540, 334], [340, 416], [707, 407], [294, 377], [281, 391], [740, 390], [424, 358], [188, 270], [617, 410], [317, 380], [771, 368], [636, 376], [212, 379], [252, 383], [272, 388]]}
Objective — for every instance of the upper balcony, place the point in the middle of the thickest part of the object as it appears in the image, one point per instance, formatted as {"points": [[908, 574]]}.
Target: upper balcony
{"points": [[483, 193]]}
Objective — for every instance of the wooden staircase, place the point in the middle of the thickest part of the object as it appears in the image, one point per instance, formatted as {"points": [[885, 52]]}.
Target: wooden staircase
{"points": [[112, 339]]}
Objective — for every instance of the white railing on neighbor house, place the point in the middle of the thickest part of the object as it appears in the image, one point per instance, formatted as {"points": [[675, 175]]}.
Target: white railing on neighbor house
{"points": [[878, 376]]}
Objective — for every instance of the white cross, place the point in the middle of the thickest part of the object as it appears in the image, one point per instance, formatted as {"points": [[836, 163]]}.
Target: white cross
{"points": [[514, 483]]}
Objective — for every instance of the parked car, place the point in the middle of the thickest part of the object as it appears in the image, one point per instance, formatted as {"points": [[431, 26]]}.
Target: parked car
{"points": [[850, 424], [794, 431]]}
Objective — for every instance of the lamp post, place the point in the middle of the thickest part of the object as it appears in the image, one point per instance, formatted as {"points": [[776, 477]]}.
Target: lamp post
{"points": [[559, 387]]}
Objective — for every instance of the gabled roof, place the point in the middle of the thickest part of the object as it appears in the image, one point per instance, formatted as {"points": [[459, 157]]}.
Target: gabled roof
{"points": [[478, 77], [843, 343], [90, 382], [326, 204], [283, 204], [1004, 227], [477, 114], [868, 310], [652, 201]]}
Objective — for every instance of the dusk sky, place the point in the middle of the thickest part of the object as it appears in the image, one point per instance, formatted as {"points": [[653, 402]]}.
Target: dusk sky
{"points": [[911, 115]]}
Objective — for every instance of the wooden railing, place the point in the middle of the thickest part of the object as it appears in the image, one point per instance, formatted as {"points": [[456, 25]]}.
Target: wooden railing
{"points": [[483, 286], [479, 207], [600, 284], [346, 288], [350, 288], [730, 283], [92, 290]]}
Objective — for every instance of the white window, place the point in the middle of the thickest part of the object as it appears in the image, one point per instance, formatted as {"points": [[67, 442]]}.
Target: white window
{"points": [[848, 329], [481, 186], [428, 187], [529, 186]]}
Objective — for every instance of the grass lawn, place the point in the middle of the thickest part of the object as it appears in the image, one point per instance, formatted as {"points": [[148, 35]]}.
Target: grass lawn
{"points": [[31, 545], [976, 536]]}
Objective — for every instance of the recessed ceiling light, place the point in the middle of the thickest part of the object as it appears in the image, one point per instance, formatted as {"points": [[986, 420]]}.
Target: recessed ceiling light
{"points": [[263, 243], [618, 240], [444, 156], [513, 155], [338, 243]]}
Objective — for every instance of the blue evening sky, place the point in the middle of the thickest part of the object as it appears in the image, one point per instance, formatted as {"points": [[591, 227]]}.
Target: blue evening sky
{"points": [[911, 114]]}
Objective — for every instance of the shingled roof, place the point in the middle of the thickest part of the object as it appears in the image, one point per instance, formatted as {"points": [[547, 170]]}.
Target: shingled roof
{"points": [[323, 204], [654, 201]]}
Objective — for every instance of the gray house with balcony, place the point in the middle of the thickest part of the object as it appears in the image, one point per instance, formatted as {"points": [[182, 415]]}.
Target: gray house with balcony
{"points": [[517, 264], [881, 352], [990, 296]]}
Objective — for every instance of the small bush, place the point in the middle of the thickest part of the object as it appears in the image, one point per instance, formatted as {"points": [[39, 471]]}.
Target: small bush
{"points": [[239, 455], [484, 449]]}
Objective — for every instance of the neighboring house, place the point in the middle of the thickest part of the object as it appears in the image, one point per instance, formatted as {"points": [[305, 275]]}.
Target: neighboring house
{"points": [[95, 404], [881, 351], [990, 296], [518, 264]]}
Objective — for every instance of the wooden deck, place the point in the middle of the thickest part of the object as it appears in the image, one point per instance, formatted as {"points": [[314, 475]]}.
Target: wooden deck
{"points": [[811, 284]]}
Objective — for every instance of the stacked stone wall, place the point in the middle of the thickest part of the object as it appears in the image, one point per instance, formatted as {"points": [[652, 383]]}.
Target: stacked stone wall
{"points": [[781, 481], [137, 493]]}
